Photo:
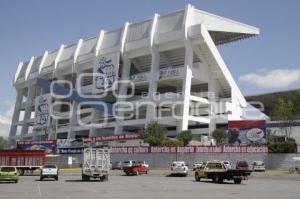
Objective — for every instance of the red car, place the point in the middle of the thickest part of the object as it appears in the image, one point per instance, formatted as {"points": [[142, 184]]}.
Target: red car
{"points": [[136, 168], [242, 165]]}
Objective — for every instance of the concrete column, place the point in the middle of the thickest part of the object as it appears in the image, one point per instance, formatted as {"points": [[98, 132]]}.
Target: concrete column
{"points": [[28, 108], [52, 133], [212, 95], [123, 91], [73, 120], [186, 87], [16, 115], [155, 62]]}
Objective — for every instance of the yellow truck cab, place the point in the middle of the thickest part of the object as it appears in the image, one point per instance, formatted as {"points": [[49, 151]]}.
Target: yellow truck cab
{"points": [[216, 170]]}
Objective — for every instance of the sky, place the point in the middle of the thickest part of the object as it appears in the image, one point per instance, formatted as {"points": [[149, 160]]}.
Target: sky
{"points": [[265, 63]]}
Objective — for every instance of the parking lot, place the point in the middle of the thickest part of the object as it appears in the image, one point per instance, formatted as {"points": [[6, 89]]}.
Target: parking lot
{"points": [[272, 184]]}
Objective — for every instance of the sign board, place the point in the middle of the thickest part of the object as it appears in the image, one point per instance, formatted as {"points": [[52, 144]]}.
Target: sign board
{"points": [[48, 146], [70, 160], [112, 137], [106, 70], [247, 132], [42, 111], [169, 72]]}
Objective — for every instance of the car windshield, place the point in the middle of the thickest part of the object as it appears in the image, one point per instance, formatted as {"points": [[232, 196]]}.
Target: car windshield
{"points": [[49, 167], [243, 164], [259, 163], [8, 169], [178, 164]]}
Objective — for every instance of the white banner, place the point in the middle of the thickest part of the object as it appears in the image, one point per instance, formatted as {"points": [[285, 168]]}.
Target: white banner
{"points": [[42, 111], [106, 71]]}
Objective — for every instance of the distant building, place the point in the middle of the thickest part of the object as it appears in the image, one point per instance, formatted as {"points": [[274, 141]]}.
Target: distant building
{"points": [[281, 128], [169, 58], [269, 100]]}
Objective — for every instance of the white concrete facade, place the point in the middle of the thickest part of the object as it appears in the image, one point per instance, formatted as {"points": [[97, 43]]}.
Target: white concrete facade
{"points": [[170, 58]]}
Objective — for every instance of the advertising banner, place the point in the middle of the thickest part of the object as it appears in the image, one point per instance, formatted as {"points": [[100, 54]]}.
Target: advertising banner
{"points": [[48, 146], [69, 146], [192, 149], [162, 149], [247, 132], [168, 72], [112, 138], [70, 150], [106, 70], [129, 150], [42, 111]]}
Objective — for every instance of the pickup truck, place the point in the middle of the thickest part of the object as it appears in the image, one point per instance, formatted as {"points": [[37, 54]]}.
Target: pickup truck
{"points": [[217, 171], [49, 171]]}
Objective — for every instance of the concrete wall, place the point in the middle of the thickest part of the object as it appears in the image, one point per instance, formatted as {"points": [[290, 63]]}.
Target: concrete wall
{"points": [[163, 160]]}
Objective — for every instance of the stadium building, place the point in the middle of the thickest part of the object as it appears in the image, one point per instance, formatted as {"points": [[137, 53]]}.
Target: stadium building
{"points": [[170, 70]]}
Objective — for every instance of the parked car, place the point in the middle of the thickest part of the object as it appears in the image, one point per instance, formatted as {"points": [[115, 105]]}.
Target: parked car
{"points": [[179, 168], [227, 164], [9, 174], [258, 166], [136, 168], [49, 171], [128, 163], [197, 164], [242, 165], [116, 165]]}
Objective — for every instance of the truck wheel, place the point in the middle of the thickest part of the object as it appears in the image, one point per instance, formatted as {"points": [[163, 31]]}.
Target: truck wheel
{"points": [[21, 172], [197, 178], [41, 178], [85, 177], [104, 178], [237, 181], [56, 178], [219, 179], [16, 181]]}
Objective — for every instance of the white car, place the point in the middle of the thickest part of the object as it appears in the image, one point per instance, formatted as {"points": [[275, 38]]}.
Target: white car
{"points": [[179, 168], [49, 171], [196, 165], [258, 166], [128, 163], [227, 164]]}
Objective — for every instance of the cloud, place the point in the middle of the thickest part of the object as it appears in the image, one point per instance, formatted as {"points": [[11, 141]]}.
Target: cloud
{"points": [[278, 78], [5, 117]]}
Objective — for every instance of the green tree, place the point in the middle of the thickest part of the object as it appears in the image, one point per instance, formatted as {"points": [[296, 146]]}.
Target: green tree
{"points": [[185, 137], [154, 133], [284, 110], [279, 145], [172, 143], [296, 102], [220, 136], [2, 142]]}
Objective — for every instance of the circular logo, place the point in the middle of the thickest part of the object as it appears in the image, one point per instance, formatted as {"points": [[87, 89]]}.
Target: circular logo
{"points": [[255, 134]]}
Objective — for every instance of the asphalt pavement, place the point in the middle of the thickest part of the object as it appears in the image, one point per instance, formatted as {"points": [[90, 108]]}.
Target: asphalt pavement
{"points": [[273, 185]]}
